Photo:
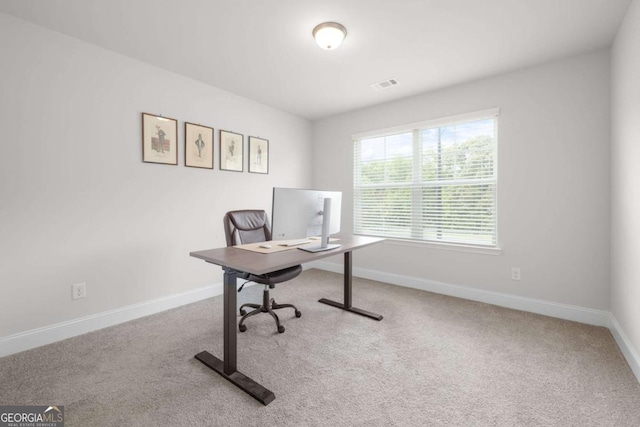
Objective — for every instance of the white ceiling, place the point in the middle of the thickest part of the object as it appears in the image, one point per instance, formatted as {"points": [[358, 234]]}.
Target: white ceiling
{"points": [[263, 49]]}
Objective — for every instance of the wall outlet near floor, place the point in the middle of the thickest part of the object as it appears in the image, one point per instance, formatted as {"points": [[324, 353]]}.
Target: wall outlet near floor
{"points": [[79, 290], [515, 273]]}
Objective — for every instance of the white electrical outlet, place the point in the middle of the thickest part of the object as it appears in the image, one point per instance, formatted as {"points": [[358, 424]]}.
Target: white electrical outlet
{"points": [[79, 290], [515, 273]]}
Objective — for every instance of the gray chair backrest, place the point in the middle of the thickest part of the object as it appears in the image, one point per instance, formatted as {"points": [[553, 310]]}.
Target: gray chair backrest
{"points": [[246, 226]]}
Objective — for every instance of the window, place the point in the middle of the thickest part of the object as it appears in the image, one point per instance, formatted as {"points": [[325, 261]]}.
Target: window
{"points": [[433, 181]]}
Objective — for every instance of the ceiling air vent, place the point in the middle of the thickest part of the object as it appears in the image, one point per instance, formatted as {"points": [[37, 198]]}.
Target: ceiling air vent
{"points": [[385, 84]]}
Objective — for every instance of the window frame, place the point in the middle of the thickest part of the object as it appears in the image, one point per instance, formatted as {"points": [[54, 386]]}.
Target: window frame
{"points": [[415, 128]]}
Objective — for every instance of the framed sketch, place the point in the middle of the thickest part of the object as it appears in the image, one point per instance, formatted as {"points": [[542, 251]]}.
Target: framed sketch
{"points": [[159, 139], [258, 155], [198, 146], [231, 151]]}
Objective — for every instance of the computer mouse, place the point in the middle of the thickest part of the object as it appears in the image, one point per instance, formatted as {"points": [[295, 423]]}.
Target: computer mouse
{"points": [[266, 246]]}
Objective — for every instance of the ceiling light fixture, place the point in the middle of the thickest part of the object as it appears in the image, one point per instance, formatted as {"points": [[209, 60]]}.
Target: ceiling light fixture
{"points": [[329, 35]]}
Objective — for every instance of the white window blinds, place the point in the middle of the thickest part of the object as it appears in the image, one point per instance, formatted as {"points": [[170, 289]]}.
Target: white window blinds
{"points": [[433, 181]]}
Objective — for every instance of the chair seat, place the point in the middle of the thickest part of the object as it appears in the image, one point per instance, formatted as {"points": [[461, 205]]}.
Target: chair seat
{"points": [[276, 276]]}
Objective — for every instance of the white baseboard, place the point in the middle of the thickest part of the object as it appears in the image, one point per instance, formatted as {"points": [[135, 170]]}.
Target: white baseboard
{"points": [[49, 334], [627, 349], [546, 308]]}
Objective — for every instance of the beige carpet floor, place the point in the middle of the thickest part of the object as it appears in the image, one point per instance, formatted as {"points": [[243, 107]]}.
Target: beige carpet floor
{"points": [[432, 361]]}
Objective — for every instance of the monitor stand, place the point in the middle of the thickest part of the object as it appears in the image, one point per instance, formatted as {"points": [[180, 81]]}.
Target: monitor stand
{"points": [[326, 226], [319, 248]]}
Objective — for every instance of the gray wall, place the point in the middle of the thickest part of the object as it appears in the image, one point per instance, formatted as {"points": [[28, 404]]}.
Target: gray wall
{"points": [[77, 204], [625, 168], [553, 203]]}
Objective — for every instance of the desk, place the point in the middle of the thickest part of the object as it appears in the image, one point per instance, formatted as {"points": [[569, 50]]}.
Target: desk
{"points": [[257, 263]]}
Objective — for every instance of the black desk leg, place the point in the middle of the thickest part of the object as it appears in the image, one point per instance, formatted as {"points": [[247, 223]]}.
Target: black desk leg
{"points": [[227, 369], [348, 273]]}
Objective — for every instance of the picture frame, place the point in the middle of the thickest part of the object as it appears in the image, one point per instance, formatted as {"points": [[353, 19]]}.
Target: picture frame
{"points": [[258, 155], [159, 139], [198, 146], [231, 151]]}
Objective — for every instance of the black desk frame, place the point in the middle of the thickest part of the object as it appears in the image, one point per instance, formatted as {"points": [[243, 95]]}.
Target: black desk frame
{"points": [[348, 293], [227, 368]]}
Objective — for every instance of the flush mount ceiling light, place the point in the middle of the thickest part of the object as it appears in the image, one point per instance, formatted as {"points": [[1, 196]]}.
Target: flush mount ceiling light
{"points": [[329, 35]]}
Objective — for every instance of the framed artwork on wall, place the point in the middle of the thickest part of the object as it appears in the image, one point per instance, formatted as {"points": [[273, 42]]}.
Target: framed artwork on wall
{"points": [[198, 146], [159, 139], [258, 155], [231, 151]]}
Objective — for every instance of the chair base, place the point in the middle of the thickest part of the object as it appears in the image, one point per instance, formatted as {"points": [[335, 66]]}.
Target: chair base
{"points": [[267, 306]]}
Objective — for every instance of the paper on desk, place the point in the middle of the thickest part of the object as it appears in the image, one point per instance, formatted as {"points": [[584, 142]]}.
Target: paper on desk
{"points": [[276, 246]]}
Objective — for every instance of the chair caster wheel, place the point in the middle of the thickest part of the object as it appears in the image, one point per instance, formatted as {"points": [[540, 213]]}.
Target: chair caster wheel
{"points": [[281, 329], [298, 314], [242, 328], [242, 312]]}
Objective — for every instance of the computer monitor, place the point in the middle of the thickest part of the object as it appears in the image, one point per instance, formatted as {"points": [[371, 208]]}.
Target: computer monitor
{"points": [[298, 213]]}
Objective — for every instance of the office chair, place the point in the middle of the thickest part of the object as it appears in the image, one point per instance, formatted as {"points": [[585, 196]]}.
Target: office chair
{"points": [[252, 226]]}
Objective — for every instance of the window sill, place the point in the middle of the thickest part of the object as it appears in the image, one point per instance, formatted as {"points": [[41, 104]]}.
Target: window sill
{"points": [[444, 246]]}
